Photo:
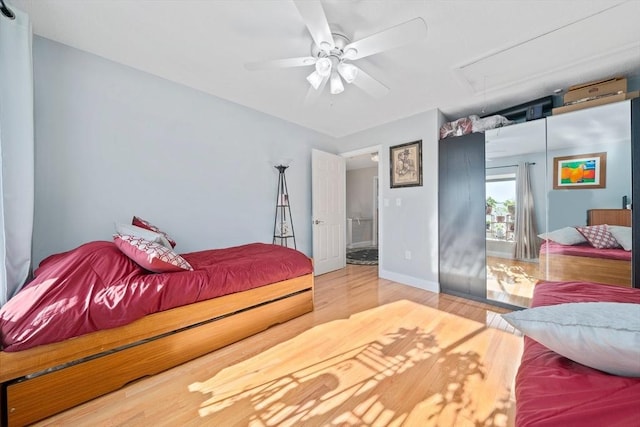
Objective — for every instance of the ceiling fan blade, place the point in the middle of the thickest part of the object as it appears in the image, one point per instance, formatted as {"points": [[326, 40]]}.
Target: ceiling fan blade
{"points": [[370, 85], [316, 21], [390, 38], [281, 63], [313, 94]]}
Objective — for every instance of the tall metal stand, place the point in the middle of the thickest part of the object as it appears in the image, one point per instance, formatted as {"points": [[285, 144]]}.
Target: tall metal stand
{"points": [[283, 223]]}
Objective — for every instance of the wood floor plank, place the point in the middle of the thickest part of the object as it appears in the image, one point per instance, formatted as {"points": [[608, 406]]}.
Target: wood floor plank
{"points": [[511, 281], [373, 353]]}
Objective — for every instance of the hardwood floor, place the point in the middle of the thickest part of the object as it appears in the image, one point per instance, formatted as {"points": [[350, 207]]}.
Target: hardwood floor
{"points": [[511, 281], [373, 353]]}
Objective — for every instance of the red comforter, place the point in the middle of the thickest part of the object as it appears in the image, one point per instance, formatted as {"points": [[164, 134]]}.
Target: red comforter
{"points": [[552, 390], [95, 286]]}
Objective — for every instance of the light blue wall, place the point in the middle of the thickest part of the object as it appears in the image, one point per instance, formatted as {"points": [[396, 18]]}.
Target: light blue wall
{"points": [[606, 129], [569, 207], [112, 142], [413, 225]]}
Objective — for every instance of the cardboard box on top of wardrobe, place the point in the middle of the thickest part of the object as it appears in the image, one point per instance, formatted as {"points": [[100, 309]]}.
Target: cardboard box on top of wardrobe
{"points": [[592, 90], [596, 93], [595, 102]]}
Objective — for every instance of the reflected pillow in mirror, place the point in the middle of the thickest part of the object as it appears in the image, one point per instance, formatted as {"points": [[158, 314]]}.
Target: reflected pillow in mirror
{"points": [[599, 237], [564, 236], [622, 235], [601, 335]]}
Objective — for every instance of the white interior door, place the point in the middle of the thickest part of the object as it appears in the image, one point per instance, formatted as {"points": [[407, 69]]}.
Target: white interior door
{"points": [[328, 182]]}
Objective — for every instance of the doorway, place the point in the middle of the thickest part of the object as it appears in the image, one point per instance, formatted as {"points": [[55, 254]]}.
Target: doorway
{"points": [[362, 213]]}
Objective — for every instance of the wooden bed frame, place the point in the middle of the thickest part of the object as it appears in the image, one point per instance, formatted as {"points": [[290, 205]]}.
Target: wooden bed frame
{"points": [[564, 268], [44, 380]]}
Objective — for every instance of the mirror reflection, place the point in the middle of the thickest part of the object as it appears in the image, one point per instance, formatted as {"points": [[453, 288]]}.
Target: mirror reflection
{"points": [[515, 209], [589, 160], [551, 186]]}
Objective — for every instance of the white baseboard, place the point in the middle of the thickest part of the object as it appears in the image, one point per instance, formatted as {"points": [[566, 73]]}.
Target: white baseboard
{"points": [[409, 280]]}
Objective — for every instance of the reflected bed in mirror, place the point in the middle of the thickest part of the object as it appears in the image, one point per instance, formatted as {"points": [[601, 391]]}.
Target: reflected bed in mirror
{"points": [[605, 129], [579, 260]]}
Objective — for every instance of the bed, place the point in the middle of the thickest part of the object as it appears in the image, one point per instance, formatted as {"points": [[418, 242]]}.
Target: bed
{"points": [[552, 390], [230, 294], [583, 262]]}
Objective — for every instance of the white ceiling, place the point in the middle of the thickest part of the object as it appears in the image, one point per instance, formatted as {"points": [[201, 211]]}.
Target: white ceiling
{"points": [[479, 56]]}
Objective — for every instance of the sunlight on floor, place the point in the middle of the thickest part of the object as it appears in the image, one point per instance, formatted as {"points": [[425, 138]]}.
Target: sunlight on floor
{"points": [[399, 364], [511, 281]]}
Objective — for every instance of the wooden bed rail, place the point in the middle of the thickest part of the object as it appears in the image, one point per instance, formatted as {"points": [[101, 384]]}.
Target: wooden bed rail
{"points": [[82, 368]]}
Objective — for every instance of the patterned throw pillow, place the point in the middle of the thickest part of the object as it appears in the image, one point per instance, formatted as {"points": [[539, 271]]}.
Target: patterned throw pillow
{"points": [[139, 222], [599, 237], [150, 255], [152, 236]]}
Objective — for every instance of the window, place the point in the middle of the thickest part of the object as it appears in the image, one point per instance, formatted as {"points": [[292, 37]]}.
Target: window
{"points": [[501, 206]]}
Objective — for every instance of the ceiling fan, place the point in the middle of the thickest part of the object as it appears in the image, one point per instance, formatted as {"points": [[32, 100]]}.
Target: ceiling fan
{"points": [[332, 52]]}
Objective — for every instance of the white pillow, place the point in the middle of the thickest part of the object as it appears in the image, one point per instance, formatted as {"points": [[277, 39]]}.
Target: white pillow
{"points": [[622, 235], [564, 236], [143, 233], [601, 335]]}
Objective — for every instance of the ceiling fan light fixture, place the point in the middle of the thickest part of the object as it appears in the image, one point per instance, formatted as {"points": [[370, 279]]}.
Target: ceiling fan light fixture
{"points": [[348, 72], [323, 67], [326, 46], [336, 84], [315, 79], [350, 53]]}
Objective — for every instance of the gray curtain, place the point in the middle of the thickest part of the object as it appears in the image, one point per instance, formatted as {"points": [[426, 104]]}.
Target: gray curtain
{"points": [[526, 236], [16, 152]]}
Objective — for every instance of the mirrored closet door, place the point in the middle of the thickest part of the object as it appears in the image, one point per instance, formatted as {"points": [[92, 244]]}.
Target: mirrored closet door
{"points": [[546, 176], [590, 185], [515, 211]]}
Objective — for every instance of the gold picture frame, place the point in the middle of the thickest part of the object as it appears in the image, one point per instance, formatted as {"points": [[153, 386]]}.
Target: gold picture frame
{"points": [[405, 161], [582, 171]]}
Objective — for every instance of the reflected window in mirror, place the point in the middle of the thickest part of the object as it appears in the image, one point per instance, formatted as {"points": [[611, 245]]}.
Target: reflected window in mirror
{"points": [[501, 205], [510, 151]]}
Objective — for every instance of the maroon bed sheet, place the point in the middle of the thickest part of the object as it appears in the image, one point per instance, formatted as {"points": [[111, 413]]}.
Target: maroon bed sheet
{"points": [[552, 390], [95, 287], [585, 250]]}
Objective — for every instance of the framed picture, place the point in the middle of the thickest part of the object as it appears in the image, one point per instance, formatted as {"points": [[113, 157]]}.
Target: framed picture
{"points": [[405, 161], [581, 171]]}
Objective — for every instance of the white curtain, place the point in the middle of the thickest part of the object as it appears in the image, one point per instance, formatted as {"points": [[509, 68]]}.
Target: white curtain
{"points": [[525, 232], [16, 152]]}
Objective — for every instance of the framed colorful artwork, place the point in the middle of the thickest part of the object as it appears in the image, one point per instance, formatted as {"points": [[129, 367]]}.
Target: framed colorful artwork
{"points": [[580, 171], [405, 162]]}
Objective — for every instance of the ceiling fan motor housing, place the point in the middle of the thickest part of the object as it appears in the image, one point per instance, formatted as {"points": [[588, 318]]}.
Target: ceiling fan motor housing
{"points": [[337, 53]]}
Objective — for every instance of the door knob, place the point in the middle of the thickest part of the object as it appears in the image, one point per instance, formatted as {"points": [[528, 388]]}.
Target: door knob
{"points": [[317, 221]]}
